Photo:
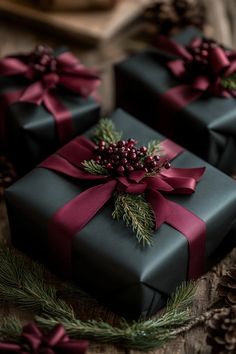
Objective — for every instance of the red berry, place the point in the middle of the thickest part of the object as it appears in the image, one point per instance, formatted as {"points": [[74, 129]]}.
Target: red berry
{"points": [[130, 168], [124, 161], [149, 158], [167, 165], [120, 169], [143, 149], [109, 166], [102, 143], [121, 143], [133, 155]]}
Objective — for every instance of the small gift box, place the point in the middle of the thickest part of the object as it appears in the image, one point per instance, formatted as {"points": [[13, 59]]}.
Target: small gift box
{"points": [[185, 88], [46, 99], [123, 221]]}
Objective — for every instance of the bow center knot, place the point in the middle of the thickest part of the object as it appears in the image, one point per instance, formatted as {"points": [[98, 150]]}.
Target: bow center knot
{"points": [[50, 81]]}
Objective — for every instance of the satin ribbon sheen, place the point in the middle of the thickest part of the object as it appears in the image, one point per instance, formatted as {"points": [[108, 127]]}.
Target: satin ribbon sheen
{"points": [[69, 74], [73, 216], [34, 341], [193, 85]]}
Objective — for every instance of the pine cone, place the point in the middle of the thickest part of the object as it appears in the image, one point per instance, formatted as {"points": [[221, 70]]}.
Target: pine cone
{"points": [[7, 174], [221, 330], [167, 15], [227, 287]]}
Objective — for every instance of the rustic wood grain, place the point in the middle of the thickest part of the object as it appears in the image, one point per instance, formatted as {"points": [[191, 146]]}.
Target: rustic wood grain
{"points": [[15, 38]]}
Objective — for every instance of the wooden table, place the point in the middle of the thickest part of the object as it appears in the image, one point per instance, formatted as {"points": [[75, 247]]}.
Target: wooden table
{"points": [[14, 38]]}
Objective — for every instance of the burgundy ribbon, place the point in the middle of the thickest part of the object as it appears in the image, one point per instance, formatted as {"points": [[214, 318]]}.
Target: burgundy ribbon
{"points": [[34, 341], [219, 64], [75, 214], [67, 72]]}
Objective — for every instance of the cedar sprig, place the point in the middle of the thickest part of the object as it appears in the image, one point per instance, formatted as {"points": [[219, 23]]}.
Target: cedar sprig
{"points": [[106, 131], [229, 82], [22, 283], [94, 168], [137, 213]]}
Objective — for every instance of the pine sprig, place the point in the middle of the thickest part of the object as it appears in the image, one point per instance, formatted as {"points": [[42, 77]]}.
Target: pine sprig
{"points": [[10, 328], [183, 296], [137, 213], [229, 82], [17, 274], [153, 148], [94, 168], [24, 286], [105, 131]]}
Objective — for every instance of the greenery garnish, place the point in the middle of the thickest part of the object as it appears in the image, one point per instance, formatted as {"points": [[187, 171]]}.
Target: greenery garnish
{"points": [[136, 212], [94, 168], [23, 284], [105, 131], [229, 82]]}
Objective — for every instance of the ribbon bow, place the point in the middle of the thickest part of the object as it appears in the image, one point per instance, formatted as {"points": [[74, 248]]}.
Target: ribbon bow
{"points": [[34, 341], [200, 67], [44, 73], [65, 223]]}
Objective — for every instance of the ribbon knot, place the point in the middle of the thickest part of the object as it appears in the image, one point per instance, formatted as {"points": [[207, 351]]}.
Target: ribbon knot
{"points": [[200, 67], [34, 341], [45, 74], [65, 223]]}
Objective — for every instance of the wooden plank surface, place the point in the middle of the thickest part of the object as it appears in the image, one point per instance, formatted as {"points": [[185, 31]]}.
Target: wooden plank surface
{"points": [[15, 38], [95, 26]]}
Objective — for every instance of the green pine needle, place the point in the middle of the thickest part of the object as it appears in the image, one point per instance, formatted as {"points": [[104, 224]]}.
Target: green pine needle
{"points": [[22, 283], [153, 148], [183, 296], [229, 82], [105, 131], [10, 328], [137, 213], [94, 168]]}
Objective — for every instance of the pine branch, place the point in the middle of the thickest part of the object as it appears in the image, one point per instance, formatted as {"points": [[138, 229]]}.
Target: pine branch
{"points": [[183, 296], [23, 284], [229, 82], [94, 168], [10, 328], [153, 148], [141, 335], [105, 131], [137, 213]]}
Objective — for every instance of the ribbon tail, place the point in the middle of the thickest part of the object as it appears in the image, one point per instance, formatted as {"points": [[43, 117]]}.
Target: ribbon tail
{"points": [[194, 229], [160, 206], [71, 218], [178, 97], [62, 116], [171, 149]]}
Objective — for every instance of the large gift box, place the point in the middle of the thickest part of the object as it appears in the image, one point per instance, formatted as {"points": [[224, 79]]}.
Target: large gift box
{"points": [[184, 93], [46, 97], [62, 214]]}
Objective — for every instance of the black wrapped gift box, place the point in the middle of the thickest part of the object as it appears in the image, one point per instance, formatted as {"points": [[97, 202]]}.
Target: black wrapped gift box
{"points": [[206, 127], [108, 262], [31, 133]]}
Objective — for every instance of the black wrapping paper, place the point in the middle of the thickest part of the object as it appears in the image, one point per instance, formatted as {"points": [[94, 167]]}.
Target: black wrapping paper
{"points": [[207, 126], [108, 262], [31, 133]]}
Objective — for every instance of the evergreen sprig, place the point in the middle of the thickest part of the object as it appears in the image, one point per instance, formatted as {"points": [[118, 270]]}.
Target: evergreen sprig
{"points": [[106, 131], [229, 82], [94, 168], [23, 284], [136, 212], [153, 148], [10, 328]]}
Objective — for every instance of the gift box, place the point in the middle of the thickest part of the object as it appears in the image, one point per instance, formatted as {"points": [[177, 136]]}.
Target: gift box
{"points": [[196, 113], [105, 258], [46, 99]]}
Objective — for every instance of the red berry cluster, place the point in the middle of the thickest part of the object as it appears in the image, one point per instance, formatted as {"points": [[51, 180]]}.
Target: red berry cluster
{"points": [[123, 157], [200, 63], [42, 60]]}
